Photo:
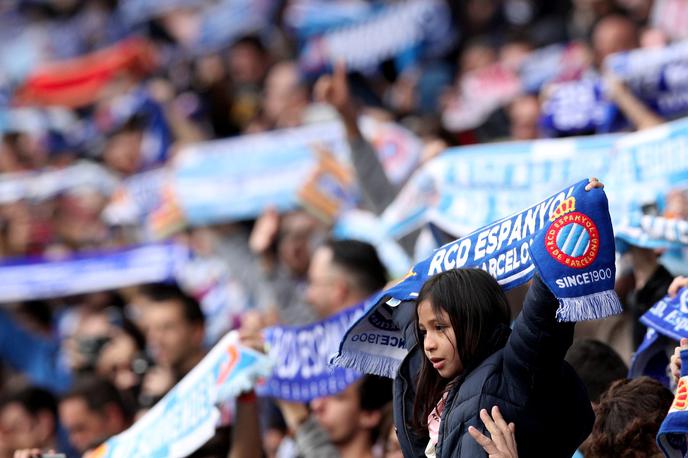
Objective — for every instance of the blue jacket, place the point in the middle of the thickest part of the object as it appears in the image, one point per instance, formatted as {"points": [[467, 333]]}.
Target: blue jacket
{"points": [[528, 379], [35, 356]]}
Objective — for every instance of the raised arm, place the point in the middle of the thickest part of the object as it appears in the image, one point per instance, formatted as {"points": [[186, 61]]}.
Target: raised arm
{"points": [[538, 342]]}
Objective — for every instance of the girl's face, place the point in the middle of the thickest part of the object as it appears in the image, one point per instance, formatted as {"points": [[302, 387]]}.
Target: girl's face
{"points": [[439, 340]]}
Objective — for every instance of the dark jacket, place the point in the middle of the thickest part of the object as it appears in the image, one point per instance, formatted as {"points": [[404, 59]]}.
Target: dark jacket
{"points": [[640, 301], [527, 378]]}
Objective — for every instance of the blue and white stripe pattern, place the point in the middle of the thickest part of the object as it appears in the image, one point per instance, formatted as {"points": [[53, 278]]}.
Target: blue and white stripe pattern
{"points": [[573, 240]]}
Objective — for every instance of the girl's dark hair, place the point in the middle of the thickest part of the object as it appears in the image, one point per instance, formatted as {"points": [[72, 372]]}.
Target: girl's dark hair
{"points": [[479, 315], [627, 419]]}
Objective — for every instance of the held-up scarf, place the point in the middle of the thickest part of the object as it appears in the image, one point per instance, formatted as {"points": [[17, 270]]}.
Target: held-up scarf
{"points": [[653, 232], [301, 355], [667, 323], [568, 237]]}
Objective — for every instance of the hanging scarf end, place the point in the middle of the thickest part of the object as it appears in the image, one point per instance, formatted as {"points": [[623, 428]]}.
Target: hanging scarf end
{"points": [[589, 307]]}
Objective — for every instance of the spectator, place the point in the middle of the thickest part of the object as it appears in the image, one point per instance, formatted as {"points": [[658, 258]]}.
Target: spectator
{"points": [[28, 419], [294, 235], [345, 425], [628, 418], [597, 364], [342, 274], [92, 412], [613, 33], [652, 281], [174, 329]]}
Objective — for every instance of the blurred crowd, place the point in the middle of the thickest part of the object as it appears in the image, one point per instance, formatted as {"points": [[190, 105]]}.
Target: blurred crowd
{"points": [[78, 370]]}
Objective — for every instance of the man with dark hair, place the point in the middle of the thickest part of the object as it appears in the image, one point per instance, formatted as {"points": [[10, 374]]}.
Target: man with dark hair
{"points": [[92, 412], [28, 419], [174, 326], [345, 425], [343, 273], [597, 364]]}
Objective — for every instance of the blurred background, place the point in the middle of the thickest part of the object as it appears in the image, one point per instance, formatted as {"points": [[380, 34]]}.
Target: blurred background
{"points": [[204, 150]]}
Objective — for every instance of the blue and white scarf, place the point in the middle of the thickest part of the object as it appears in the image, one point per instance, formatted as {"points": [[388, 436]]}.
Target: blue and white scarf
{"points": [[39, 278], [389, 31], [578, 108], [187, 416], [656, 76], [301, 355], [649, 231], [673, 434], [568, 236], [45, 184], [667, 323]]}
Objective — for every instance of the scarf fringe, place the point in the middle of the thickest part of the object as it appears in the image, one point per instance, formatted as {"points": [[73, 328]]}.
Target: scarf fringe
{"points": [[384, 366], [589, 307]]}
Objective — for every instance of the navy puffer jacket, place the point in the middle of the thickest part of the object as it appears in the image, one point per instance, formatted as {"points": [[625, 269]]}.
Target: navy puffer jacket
{"points": [[527, 378]]}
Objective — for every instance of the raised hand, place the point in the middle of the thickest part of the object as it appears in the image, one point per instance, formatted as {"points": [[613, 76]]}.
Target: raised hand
{"points": [[502, 444]]}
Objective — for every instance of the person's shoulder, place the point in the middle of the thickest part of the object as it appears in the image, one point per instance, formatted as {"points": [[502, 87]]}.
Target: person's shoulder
{"points": [[487, 374]]}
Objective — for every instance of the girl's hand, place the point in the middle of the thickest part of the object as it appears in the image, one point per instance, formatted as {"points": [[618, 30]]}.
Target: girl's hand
{"points": [[503, 442], [594, 183]]}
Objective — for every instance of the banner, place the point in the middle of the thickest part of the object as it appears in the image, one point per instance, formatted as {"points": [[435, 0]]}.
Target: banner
{"points": [[302, 353], [329, 189], [79, 82], [669, 316], [568, 236], [398, 149], [578, 108], [183, 420], [556, 63], [483, 91], [228, 20], [392, 29], [236, 179], [468, 187], [658, 77], [49, 183], [648, 231], [136, 11], [40, 278], [37, 121], [310, 17], [667, 323], [135, 197]]}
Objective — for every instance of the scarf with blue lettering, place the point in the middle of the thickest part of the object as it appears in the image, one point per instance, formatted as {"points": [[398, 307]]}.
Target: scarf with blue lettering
{"points": [[301, 355], [671, 437], [667, 323], [567, 236], [653, 232]]}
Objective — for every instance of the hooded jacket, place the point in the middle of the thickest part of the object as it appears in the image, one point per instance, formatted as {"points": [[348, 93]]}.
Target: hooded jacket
{"points": [[527, 378]]}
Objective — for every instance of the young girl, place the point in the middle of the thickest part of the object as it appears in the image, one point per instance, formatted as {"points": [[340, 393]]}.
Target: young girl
{"points": [[467, 358]]}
